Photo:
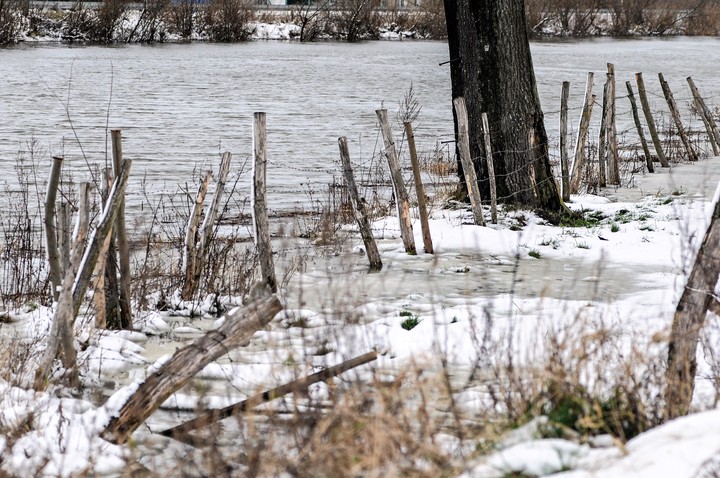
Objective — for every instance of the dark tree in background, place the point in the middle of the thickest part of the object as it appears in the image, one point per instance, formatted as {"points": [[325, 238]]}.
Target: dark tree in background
{"points": [[491, 67]]}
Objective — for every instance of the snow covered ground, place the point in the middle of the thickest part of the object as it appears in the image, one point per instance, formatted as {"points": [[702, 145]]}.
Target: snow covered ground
{"points": [[623, 272]]}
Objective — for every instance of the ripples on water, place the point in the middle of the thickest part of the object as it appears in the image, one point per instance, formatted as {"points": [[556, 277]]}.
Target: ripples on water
{"points": [[180, 106]]}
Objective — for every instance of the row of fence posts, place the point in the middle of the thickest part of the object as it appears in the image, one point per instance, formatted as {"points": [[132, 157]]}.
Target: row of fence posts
{"points": [[608, 157]]}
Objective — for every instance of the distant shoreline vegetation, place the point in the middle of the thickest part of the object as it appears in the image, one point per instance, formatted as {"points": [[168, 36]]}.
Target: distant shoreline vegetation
{"points": [[160, 21]]}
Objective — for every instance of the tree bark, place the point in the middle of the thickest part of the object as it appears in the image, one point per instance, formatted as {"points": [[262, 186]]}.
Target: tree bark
{"points": [[240, 324], [491, 67]]}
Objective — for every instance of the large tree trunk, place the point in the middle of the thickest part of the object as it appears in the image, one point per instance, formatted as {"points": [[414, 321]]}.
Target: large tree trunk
{"points": [[491, 66]]}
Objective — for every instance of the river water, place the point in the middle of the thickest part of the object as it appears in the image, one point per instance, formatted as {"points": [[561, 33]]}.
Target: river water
{"points": [[181, 105]]}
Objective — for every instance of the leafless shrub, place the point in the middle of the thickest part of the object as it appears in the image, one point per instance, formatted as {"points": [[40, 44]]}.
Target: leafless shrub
{"points": [[10, 21], [312, 19], [151, 24], [357, 19], [228, 20], [181, 16]]}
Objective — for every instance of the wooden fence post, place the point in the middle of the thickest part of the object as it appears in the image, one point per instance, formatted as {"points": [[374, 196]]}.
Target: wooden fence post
{"points": [[190, 247], [603, 136], [638, 126], [707, 117], [259, 194], [87, 265], [676, 117], [463, 147], [120, 232], [564, 167], [419, 188], [64, 241], [401, 196], [613, 169], [358, 206], [650, 121], [53, 250], [491, 169], [579, 158]]}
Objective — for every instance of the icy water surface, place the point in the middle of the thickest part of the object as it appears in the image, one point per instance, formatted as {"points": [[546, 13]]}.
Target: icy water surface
{"points": [[179, 106]]}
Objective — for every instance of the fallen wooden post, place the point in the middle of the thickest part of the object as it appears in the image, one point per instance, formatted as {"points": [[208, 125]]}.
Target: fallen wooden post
{"points": [[564, 167], [688, 321], [401, 196], [239, 325], [358, 206], [650, 121], [259, 198], [182, 431], [707, 116], [419, 188], [638, 126], [692, 156], [579, 158], [491, 169], [463, 147]]}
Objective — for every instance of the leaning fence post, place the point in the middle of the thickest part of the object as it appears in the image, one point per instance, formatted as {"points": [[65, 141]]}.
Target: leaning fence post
{"points": [[50, 228], [358, 206], [676, 117], [491, 169], [636, 118], [650, 121], [707, 117], [260, 213], [419, 188], [579, 158], [565, 172], [463, 143], [401, 196]]}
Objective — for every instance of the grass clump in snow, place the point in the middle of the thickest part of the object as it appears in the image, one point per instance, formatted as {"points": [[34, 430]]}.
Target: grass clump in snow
{"points": [[410, 321]]}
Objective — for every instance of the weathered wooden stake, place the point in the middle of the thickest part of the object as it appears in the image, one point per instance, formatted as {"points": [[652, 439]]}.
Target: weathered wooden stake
{"points": [[463, 147], [602, 138], [707, 116], [239, 325], [181, 432], [579, 158], [650, 121], [689, 320], [638, 126], [613, 169], [87, 265], [564, 166], [401, 196], [53, 251], [190, 251], [358, 206], [64, 242], [491, 169], [260, 213], [419, 188], [120, 233], [692, 156], [102, 309]]}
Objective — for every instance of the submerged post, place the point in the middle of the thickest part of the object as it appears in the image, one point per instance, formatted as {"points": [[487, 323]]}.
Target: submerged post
{"points": [[260, 213], [358, 207], [613, 169], [707, 117]]}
